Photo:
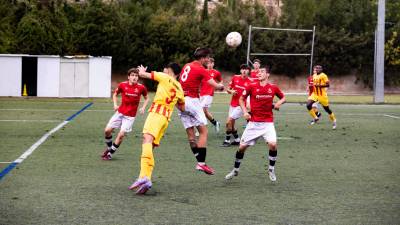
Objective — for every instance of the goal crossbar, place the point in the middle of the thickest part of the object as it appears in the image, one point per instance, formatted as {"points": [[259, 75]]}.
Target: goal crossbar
{"points": [[311, 54]]}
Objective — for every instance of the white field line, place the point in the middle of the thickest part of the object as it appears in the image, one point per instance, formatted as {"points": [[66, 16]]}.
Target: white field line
{"points": [[391, 116], [42, 121], [5, 162], [57, 110], [39, 142], [285, 138]]}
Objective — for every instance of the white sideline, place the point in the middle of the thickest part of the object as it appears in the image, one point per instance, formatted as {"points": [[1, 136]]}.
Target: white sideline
{"points": [[39, 142], [5, 162], [45, 121], [391, 116]]}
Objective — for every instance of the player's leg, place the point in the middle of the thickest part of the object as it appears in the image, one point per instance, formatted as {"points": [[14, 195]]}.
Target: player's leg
{"points": [[126, 127], [310, 102], [108, 137], [271, 141], [228, 132], [202, 151], [236, 139], [114, 122], [206, 102], [315, 109], [249, 137], [238, 159], [191, 118], [153, 131], [325, 104]]}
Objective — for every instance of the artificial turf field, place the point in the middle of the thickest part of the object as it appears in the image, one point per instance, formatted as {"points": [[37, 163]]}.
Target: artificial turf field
{"points": [[344, 176]]}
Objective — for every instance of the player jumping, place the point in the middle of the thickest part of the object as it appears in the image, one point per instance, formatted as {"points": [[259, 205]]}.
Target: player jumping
{"points": [[190, 78], [169, 92]]}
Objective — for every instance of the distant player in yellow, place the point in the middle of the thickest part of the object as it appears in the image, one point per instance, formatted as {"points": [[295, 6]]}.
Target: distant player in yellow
{"points": [[321, 83], [169, 93]]}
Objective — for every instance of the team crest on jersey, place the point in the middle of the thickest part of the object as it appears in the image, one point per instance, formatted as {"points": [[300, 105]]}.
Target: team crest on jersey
{"points": [[269, 90], [136, 90]]}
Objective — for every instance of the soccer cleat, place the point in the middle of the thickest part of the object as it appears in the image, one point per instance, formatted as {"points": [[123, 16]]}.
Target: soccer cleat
{"points": [[217, 126], [139, 182], [204, 168], [106, 155], [272, 175], [314, 121], [226, 144], [232, 174], [144, 187], [235, 143], [334, 125]]}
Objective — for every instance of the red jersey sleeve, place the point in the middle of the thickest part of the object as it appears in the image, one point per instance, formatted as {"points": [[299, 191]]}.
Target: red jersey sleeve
{"points": [[279, 93], [119, 89], [218, 76], [144, 91]]}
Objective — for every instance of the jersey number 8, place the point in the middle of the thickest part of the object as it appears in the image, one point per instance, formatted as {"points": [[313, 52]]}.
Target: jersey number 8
{"points": [[185, 73]]}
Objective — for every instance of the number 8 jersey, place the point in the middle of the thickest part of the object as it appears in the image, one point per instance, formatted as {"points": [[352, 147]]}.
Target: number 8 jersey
{"points": [[169, 92], [191, 77]]}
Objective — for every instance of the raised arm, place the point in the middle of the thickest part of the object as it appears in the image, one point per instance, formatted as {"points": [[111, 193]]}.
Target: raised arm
{"points": [[143, 73]]}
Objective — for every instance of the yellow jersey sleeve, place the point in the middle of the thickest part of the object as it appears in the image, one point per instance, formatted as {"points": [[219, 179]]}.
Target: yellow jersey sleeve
{"points": [[159, 77]]}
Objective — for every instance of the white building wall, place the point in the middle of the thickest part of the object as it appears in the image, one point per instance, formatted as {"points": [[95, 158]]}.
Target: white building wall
{"points": [[48, 80], [10, 75], [100, 77]]}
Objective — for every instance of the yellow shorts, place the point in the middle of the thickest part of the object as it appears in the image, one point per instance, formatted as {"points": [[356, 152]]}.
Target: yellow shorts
{"points": [[323, 100], [155, 125]]}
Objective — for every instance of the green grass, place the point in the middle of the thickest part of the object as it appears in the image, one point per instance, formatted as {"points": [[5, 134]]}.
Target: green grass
{"points": [[343, 176]]}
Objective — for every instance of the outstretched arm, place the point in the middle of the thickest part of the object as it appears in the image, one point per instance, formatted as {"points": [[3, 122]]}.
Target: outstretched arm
{"points": [[218, 86], [143, 73]]}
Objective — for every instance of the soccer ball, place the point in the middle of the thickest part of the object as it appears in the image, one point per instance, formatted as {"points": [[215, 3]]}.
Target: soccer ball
{"points": [[233, 39]]}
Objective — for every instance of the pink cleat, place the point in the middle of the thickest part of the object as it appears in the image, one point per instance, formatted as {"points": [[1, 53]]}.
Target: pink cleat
{"points": [[206, 169], [106, 155], [144, 188]]}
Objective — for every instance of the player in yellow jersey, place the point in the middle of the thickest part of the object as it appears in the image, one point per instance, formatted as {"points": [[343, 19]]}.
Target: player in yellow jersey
{"points": [[321, 83], [169, 93]]}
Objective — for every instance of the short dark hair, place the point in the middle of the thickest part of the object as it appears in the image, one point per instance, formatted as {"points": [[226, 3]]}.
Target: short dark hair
{"points": [[175, 67], [318, 68], [133, 70], [267, 68], [257, 60], [201, 53], [212, 60], [245, 66]]}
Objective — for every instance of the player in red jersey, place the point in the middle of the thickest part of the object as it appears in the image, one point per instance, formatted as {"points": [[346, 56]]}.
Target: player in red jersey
{"points": [[125, 113], [207, 93], [261, 123], [310, 82], [190, 78], [254, 72], [238, 84]]}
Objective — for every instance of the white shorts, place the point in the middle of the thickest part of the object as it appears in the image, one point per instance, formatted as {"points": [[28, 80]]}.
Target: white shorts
{"points": [[315, 105], [206, 101], [119, 120], [254, 130], [235, 112], [194, 115]]}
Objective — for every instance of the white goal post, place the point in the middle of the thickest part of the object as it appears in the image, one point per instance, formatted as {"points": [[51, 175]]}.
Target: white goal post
{"points": [[311, 54]]}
